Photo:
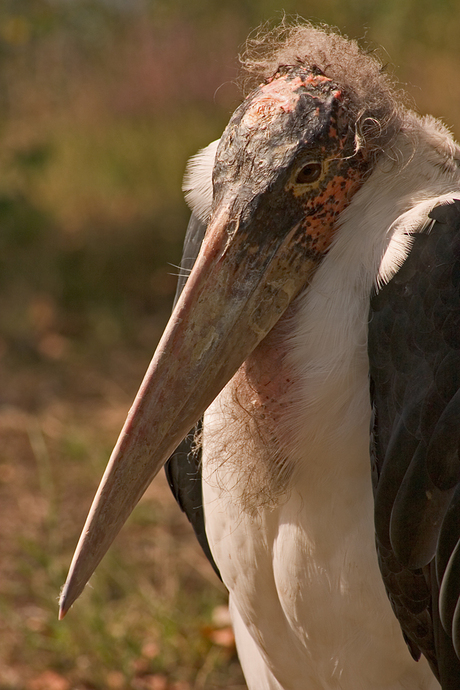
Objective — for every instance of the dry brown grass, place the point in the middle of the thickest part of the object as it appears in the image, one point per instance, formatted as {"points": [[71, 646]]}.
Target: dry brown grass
{"points": [[151, 619]]}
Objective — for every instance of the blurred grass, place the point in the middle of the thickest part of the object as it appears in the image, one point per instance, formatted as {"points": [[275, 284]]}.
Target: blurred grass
{"points": [[148, 614], [101, 103]]}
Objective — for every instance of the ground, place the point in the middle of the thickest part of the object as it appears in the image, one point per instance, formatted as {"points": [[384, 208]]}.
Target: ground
{"points": [[154, 616]]}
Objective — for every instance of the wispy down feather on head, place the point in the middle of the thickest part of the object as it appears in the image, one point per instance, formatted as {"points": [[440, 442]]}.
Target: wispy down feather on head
{"points": [[374, 103]]}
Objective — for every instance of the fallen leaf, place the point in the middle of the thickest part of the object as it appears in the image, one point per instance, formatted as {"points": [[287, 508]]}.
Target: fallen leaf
{"points": [[150, 650], [115, 680], [48, 680], [223, 637], [153, 682]]}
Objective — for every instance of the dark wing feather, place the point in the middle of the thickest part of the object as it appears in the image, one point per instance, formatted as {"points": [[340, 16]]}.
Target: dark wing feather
{"points": [[196, 230], [414, 356], [183, 469]]}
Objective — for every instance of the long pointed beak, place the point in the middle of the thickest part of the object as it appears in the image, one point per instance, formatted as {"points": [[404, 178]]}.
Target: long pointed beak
{"points": [[237, 291]]}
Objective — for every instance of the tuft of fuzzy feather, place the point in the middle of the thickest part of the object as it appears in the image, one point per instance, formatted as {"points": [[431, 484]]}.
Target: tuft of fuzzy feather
{"points": [[375, 105], [197, 184]]}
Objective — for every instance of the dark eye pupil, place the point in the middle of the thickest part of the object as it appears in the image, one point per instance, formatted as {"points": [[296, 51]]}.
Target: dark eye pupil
{"points": [[309, 173]]}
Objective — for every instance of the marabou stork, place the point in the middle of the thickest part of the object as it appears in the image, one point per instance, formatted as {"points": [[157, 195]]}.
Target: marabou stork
{"points": [[323, 302]]}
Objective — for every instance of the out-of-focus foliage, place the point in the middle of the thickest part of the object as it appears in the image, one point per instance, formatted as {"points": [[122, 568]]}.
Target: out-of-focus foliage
{"points": [[101, 107], [101, 103]]}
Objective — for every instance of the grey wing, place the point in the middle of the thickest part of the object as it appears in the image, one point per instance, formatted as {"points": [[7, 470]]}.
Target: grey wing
{"points": [[414, 355], [196, 230], [183, 469]]}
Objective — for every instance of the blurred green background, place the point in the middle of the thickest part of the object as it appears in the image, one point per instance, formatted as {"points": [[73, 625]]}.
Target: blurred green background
{"points": [[101, 104]]}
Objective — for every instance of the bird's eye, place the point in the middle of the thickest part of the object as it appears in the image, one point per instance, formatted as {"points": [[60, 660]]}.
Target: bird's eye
{"points": [[309, 173]]}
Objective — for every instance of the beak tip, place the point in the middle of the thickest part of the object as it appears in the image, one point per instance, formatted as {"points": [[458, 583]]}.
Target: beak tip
{"points": [[64, 604]]}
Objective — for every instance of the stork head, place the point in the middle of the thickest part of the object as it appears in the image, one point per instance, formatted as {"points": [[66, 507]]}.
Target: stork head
{"points": [[288, 158], [288, 164]]}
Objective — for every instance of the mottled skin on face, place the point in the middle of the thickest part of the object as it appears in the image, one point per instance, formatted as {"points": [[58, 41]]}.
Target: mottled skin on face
{"points": [[296, 118]]}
